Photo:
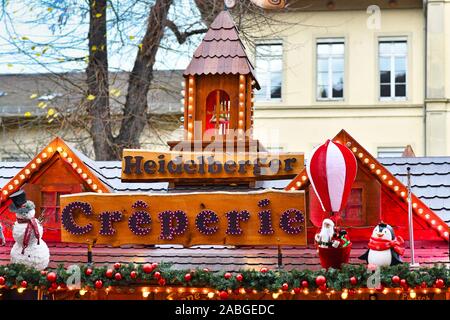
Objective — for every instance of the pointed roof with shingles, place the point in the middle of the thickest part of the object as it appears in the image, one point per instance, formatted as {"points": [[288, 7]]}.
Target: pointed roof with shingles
{"points": [[221, 51], [386, 178]]}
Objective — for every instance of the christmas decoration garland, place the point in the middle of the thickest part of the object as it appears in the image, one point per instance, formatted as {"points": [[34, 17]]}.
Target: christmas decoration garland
{"points": [[349, 278]]}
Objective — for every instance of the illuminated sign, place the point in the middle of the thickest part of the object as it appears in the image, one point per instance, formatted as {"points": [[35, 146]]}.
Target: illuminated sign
{"points": [[139, 165], [221, 218]]}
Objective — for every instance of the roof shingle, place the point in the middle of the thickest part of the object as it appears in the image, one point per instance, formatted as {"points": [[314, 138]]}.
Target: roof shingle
{"points": [[221, 51]]}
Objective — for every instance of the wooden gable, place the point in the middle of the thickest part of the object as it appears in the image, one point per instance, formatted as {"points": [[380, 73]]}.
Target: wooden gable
{"points": [[387, 202], [56, 170]]}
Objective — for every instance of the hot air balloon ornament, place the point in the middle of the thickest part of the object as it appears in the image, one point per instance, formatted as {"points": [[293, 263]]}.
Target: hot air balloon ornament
{"points": [[332, 170]]}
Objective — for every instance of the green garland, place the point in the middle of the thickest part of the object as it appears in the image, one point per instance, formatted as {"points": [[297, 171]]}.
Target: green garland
{"points": [[272, 280]]}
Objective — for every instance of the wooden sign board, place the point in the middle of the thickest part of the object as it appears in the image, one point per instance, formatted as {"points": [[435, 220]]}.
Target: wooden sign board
{"points": [[217, 218], [143, 165]]}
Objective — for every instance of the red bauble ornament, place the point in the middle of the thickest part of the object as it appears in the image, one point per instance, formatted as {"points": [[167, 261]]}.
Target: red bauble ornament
{"points": [[109, 273], [305, 284], [423, 285], [380, 288], [157, 275], [239, 277], [264, 270], [323, 287], [403, 283], [439, 283], [147, 268], [43, 272], [88, 271], [117, 265], [236, 291], [2, 281], [297, 290], [54, 285], [154, 265], [98, 284], [187, 277], [223, 295], [227, 275], [285, 286], [118, 276], [162, 282], [24, 284], [353, 281], [396, 279], [133, 274], [51, 276], [321, 280]]}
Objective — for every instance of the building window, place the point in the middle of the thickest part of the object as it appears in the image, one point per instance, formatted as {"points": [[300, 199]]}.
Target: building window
{"points": [[269, 71], [330, 69], [353, 214], [393, 69], [390, 152]]}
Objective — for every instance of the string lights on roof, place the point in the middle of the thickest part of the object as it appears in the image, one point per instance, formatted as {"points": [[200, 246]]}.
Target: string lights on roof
{"points": [[388, 180], [19, 179]]}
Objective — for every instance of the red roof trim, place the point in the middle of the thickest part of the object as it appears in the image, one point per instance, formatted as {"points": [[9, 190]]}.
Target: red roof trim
{"points": [[56, 146], [420, 209]]}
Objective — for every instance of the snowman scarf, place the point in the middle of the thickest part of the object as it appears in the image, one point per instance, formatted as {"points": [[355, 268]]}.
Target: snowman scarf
{"points": [[31, 227], [378, 244]]}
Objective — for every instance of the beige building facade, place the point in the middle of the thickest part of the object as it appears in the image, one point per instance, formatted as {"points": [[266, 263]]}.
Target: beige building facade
{"points": [[378, 69]]}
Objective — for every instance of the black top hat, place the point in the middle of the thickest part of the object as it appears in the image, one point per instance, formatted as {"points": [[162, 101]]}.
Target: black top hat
{"points": [[19, 198]]}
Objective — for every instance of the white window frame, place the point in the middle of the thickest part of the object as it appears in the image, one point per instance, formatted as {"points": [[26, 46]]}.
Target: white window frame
{"points": [[337, 40], [267, 96], [390, 150], [392, 57]]}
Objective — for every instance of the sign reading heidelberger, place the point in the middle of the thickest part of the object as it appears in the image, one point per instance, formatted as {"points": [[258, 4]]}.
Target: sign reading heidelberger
{"points": [[141, 165]]}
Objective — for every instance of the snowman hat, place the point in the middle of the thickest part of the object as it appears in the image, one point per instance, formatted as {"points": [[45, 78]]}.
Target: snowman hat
{"points": [[19, 198], [20, 204]]}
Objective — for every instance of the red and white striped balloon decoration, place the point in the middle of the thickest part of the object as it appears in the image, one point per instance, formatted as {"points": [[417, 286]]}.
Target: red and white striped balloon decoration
{"points": [[332, 171]]}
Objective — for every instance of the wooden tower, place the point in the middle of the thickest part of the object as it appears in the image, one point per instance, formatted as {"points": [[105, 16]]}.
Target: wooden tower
{"points": [[218, 88]]}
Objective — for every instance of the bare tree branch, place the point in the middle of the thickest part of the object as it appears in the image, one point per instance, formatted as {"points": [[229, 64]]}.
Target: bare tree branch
{"points": [[183, 36]]}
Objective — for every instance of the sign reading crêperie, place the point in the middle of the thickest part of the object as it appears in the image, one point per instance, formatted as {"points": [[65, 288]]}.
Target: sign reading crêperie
{"points": [[143, 165], [218, 218]]}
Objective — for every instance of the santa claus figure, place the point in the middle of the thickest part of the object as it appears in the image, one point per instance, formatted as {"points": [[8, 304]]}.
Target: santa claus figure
{"points": [[327, 238]]}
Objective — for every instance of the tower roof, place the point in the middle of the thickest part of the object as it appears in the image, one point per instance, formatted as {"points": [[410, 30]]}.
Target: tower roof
{"points": [[221, 51]]}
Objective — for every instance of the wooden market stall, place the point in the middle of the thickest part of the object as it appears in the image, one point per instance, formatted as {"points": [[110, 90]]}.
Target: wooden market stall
{"points": [[204, 220]]}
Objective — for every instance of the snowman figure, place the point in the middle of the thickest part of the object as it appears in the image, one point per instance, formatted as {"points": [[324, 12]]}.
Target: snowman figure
{"points": [[29, 248], [385, 248]]}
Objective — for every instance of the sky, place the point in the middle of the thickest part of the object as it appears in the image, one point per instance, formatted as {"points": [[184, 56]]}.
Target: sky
{"points": [[32, 40]]}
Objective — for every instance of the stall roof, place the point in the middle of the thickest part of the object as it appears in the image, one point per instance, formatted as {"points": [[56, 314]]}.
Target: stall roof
{"points": [[430, 176], [430, 179]]}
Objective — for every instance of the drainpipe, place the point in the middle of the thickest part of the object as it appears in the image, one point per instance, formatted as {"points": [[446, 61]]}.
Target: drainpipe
{"points": [[425, 12]]}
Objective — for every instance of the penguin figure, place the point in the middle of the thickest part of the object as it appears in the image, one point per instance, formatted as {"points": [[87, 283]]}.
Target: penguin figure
{"points": [[381, 251]]}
